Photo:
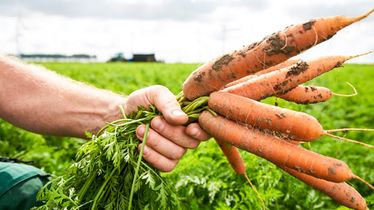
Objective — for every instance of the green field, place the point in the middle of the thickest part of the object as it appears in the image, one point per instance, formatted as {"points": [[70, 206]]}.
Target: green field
{"points": [[203, 178]]}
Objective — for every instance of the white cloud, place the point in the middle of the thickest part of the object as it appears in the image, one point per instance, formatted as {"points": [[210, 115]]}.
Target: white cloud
{"points": [[177, 31]]}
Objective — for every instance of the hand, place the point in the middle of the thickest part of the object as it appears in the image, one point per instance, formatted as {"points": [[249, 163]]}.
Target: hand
{"points": [[167, 139]]}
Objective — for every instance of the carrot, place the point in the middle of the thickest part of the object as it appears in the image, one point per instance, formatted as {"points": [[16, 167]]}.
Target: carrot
{"points": [[300, 94], [283, 80], [237, 163], [342, 193], [272, 50], [274, 149], [296, 125], [307, 94], [233, 156], [311, 94], [278, 66], [270, 69]]}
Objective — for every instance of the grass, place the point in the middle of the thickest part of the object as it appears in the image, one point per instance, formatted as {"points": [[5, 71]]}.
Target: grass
{"points": [[203, 177]]}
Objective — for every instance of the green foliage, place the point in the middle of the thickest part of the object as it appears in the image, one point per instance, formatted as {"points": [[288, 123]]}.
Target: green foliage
{"points": [[115, 176], [203, 179], [52, 154]]}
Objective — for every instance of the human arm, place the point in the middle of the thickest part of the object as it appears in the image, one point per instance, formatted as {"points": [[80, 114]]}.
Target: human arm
{"points": [[44, 102]]}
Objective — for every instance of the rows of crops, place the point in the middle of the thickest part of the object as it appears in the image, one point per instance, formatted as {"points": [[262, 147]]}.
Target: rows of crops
{"points": [[203, 179]]}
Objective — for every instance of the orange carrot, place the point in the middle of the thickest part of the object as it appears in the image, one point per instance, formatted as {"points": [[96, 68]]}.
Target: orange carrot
{"points": [[275, 149], [307, 94], [270, 69], [342, 193], [237, 163], [233, 156], [278, 66], [266, 116], [312, 94], [296, 125], [274, 49], [283, 80]]}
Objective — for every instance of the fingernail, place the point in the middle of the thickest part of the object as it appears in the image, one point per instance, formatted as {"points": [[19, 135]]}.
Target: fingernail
{"points": [[178, 113], [157, 123], [141, 130], [145, 150]]}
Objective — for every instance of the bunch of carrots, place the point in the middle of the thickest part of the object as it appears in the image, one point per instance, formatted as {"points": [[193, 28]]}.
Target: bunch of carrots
{"points": [[233, 85], [223, 96]]}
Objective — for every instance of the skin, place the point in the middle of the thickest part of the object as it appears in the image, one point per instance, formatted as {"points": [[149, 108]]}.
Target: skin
{"points": [[43, 102]]}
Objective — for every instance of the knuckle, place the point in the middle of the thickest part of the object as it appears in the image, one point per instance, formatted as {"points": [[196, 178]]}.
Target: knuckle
{"points": [[158, 87], [157, 90], [168, 104]]}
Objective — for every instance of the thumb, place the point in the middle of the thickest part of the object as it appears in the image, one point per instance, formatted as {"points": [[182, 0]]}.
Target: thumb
{"points": [[166, 103]]}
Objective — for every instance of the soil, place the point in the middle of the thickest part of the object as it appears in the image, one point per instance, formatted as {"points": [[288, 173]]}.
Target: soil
{"points": [[224, 60], [276, 45], [308, 25], [297, 69], [199, 77], [279, 87]]}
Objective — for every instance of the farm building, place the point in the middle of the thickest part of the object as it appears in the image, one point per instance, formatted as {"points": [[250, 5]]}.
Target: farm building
{"points": [[144, 58], [119, 57]]}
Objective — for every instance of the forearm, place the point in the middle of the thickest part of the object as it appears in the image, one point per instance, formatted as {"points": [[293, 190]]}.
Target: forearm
{"points": [[44, 102]]}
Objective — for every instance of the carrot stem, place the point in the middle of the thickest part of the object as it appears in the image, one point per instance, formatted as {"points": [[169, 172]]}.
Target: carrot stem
{"points": [[347, 95], [349, 140], [138, 165], [364, 181]]}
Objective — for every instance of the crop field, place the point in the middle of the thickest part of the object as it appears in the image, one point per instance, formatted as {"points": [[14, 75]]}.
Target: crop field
{"points": [[204, 179]]}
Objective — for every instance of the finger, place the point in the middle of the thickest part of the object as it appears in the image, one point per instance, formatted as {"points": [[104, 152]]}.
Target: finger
{"points": [[135, 100], [158, 161], [160, 144], [166, 103], [195, 131], [175, 133]]}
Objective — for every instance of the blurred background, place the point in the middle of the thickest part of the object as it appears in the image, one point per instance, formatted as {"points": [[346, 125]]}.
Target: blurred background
{"points": [[73, 37], [186, 31]]}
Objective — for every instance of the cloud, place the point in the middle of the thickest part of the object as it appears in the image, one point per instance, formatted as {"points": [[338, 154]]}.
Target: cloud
{"points": [[177, 31], [129, 9], [322, 8]]}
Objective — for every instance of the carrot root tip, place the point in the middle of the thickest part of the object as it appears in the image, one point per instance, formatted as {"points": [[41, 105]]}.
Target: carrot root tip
{"points": [[349, 129], [327, 133], [360, 17], [347, 95], [359, 55], [363, 181], [255, 190]]}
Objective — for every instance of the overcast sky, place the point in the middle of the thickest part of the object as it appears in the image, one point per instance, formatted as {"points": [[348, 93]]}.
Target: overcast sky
{"points": [[177, 31]]}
